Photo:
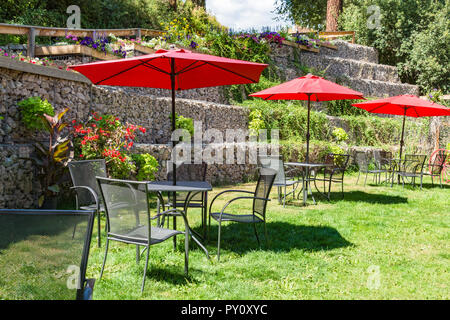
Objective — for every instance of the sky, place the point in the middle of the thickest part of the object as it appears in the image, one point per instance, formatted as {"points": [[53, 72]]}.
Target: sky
{"points": [[244, 14]]}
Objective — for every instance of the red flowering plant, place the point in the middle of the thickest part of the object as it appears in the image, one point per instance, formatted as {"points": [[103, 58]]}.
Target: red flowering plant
{"points": [[105, 136]]}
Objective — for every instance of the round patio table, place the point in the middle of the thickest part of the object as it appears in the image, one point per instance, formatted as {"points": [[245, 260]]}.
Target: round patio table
{"points": [[306, 177], [192, 187]]}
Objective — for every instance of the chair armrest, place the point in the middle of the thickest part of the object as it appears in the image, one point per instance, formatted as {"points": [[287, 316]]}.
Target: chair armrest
{"points": [[238, 198], [227, 191], [92, 193]]}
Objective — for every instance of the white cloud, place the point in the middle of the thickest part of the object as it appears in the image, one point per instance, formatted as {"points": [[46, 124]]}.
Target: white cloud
{"points": [[244, 14]]}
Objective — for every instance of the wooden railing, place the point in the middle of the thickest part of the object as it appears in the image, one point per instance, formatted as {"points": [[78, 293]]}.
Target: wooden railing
{"points": [[33, 31], [324, 34]]}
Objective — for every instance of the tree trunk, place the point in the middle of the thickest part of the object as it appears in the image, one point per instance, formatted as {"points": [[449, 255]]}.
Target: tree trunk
{"points": [[173, 4], [334, 8], [200, 3]]}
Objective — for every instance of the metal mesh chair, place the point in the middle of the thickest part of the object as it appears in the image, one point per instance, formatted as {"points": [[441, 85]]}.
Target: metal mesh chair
{"points": [[436, 166], [334, 173], [259, 197], [411, 167], [189, 172], [282, 180], [129, 221], [40, 256], [83, 175], [363, 162]]}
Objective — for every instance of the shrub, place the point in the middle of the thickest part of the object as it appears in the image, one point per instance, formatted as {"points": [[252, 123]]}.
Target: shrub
{"points": [[31, 110], [146, 165], [340, 135]]}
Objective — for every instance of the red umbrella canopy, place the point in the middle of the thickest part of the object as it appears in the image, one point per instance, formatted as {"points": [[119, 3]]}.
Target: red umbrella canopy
{"points": [[191, 70], [316, 87], [409, 105]]}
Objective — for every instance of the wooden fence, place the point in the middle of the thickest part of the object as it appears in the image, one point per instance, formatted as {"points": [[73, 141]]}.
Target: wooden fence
{"points": [[33, 31]]}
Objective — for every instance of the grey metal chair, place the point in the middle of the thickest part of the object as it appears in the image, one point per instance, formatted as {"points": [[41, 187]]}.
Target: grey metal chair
{"points": [[436, 166], [411, 167], [260, 197], [42, 241], [129, 220], [334, 173], [384, 163], [282, 179], [83, 175], [363, 162]]}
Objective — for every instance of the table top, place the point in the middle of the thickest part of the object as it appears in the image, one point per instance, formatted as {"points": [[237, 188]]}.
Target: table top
{"points": [[310, 165], [186, 186]]}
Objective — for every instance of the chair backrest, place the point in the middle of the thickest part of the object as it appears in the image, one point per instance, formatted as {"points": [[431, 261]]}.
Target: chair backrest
{"points": [[276, 163], [126, 206], [190, 172], [44, 254], [263, 188], [362, 161], [413, 163], [438, 162], [338, 160], [83, 173]]}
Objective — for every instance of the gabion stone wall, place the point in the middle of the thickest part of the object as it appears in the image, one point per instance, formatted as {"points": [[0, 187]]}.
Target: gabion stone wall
{"points": [[19, 80]]}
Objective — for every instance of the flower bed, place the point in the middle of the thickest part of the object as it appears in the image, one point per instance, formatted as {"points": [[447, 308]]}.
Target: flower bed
{"points": [[46, 62]]}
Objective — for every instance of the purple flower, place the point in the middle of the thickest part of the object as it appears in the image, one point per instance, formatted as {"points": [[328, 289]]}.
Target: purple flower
{"points": [[193, 45]]}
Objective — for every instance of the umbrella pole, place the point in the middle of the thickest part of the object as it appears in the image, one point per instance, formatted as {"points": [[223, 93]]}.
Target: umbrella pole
{"points": [[402, 142], [305, 189], [307, 129], [172, 80]]}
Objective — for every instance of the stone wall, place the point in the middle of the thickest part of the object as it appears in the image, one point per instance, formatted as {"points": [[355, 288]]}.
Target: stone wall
{"points": [[20, 80]]}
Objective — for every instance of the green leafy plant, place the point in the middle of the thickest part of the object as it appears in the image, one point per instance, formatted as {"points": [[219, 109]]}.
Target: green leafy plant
{"points": [[32, 109], [256, 122], [51, 160], [146, 165], [184, 123], [339, 134]]}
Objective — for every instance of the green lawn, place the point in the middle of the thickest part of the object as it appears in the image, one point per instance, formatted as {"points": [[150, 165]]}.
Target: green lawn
{"points": [[377, 243]]}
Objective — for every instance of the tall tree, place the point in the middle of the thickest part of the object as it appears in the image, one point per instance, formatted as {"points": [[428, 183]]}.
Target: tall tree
{"points": [[304, 13], [334, 9], [200, 3]]}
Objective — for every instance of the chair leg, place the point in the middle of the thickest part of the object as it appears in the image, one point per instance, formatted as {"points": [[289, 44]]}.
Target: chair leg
{"points": [[256, 234], [265, 234], [104, 259], [365, 180], [359, 173], [138, 254], [284, 197], [145, 269], [99, 244], [186, 252], [342, 189], [218, 241]]}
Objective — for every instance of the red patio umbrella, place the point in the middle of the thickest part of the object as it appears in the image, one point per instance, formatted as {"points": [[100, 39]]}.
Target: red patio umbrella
{"points": [[405, 105], [311, 88], [174, 70]]}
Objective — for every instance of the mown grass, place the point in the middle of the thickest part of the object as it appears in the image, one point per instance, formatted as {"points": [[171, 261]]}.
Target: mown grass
{"points": [[377, 243]]}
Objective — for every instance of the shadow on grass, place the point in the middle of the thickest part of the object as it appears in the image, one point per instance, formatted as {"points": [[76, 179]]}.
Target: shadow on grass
{"points": [[175, 276], [282, 236], [360, 196]]}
